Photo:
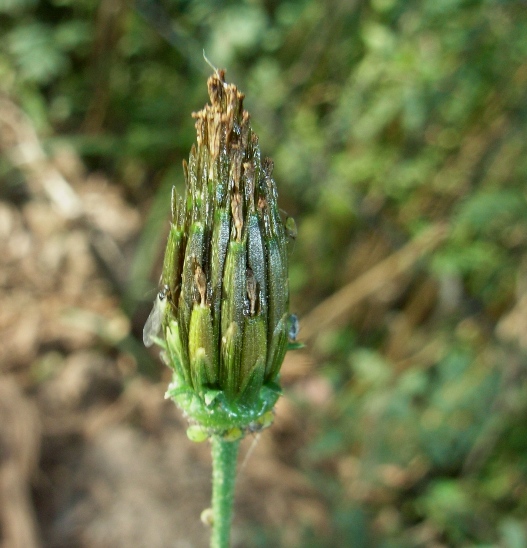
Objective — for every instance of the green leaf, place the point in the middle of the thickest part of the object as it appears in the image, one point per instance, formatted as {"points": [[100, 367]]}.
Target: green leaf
{"points": [[35, 52]]}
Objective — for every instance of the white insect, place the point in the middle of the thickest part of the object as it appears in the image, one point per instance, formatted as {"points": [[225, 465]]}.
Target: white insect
{"points": [[155, 319], [293, 327]]}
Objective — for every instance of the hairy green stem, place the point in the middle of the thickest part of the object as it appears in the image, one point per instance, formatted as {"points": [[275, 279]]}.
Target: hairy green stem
{"points": [[224, 458]]}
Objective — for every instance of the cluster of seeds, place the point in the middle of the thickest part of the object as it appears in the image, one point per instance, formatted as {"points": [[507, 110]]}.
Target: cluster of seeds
{"points": [[223, 309]]}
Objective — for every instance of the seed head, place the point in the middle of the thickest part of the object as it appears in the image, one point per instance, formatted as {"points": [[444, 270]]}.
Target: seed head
{"points": [[224, 305]]}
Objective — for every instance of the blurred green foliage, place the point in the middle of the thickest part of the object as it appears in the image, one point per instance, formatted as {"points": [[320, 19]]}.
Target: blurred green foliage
{"points": [[383, 117]]}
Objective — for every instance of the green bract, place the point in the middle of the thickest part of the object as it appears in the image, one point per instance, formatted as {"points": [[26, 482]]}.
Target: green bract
{"points": [[223, 310]]}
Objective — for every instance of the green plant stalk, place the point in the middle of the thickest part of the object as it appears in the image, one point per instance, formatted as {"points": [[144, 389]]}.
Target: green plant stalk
{"points": [[224, 459]]}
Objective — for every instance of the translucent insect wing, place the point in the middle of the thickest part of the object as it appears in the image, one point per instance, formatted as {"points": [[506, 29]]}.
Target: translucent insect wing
{"points": [[153, 323]]}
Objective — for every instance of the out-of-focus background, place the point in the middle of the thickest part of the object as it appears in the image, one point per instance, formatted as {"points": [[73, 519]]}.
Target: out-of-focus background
{"points": [[399, 135]]}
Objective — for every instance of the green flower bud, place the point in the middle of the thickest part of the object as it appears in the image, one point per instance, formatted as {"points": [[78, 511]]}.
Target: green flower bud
{"points": [[223, 311], [196, 433]]}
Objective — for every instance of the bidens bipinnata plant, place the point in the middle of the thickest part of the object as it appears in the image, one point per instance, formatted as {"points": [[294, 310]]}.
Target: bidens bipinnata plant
{"points": [[222, 314], [223, 308]]}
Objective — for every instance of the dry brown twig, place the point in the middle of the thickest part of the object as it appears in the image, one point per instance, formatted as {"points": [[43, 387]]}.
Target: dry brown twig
{"points": [[21, 145], [335, 310]]}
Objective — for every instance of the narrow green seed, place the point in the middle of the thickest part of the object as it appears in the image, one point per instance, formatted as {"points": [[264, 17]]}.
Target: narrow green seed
{"points": [[201, 345]]}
